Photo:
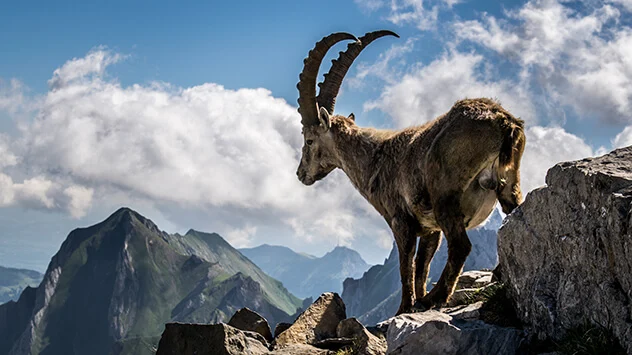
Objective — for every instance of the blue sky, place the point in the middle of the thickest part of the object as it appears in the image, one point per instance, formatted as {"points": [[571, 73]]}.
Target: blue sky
{"points": [[187, 111]]}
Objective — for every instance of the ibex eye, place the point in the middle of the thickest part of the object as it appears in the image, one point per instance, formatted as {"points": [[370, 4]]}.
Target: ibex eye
{"points": [[309, 142]]}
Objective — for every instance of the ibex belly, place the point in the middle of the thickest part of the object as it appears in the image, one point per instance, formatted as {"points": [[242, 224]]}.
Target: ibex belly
{"points": [[477, 203], [479, 199]]}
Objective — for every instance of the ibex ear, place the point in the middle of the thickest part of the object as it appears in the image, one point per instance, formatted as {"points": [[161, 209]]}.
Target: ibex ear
{"points": [[352, 117], [325, 118]]}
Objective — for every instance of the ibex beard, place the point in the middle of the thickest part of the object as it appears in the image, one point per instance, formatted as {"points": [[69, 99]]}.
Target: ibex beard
{"points": [[443, 176]]}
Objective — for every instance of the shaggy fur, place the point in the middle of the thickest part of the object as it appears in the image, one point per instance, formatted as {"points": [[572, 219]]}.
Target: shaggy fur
{"points": [[445, 175]]}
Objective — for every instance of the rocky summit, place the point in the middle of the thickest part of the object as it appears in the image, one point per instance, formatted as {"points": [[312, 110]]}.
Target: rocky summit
{"points": [[111, 288], [566, 252]]}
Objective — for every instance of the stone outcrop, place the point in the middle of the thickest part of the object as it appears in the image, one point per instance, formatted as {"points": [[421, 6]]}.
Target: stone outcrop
{"points": [[434, 332], [319, 321], [364, 343], [566, 252], [212, 339], [246, 319]]}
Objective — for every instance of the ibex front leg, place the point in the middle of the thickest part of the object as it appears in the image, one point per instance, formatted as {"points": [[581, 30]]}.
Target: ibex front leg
{"points": [[450, 218], [406, 240]]}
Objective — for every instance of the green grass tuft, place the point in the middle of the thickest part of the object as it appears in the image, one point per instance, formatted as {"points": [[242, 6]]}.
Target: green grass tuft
{"points": [[589, 339]]}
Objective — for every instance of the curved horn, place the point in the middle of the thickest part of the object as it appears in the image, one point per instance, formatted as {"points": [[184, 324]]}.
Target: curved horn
{"points": [[307, 79], [330, 87]]}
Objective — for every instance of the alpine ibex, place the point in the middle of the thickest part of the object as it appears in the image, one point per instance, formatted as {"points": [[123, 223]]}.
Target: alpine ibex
{"points": [[445, 175]]}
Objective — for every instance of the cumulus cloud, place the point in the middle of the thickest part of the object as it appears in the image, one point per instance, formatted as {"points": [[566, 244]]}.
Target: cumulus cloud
{"points": [[387, 67], [547, 146], [230, 153], [580, 59], [407, 12], [429, 91]]}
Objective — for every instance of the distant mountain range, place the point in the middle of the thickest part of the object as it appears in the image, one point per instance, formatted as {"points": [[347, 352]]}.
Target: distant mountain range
{"points": [[111, 287], [14, 281], [306, 275], [377, 294]]}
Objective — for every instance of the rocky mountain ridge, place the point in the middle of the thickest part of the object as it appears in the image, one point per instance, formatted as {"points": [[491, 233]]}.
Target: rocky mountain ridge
{"points": [[111, 287]]}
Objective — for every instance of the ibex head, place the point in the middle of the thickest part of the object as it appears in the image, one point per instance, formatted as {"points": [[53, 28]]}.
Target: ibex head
{"points": [[319, 157]]}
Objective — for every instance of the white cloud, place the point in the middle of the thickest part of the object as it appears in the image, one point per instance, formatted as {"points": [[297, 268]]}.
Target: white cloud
{"points": [[547, 146], [406, 12], [623, 139], [429, 91], [627, 4], [94, 63], [386, 68], [230, 153], [581, 60], [241, 237]]}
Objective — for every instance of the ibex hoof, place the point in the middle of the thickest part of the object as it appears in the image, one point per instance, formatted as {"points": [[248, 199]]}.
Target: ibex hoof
{"points": [[420, 307], [402, 310]]}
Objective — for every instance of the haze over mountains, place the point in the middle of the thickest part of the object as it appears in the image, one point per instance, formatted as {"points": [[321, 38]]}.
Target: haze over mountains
{"points": [[14, 281], [306, 275], [111, 287]]}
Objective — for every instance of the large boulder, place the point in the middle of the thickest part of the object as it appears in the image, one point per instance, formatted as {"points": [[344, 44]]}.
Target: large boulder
{"points": [[246, 319], [318, 322], [566, 252], [212, 339], [364, 343], [434, 332]]}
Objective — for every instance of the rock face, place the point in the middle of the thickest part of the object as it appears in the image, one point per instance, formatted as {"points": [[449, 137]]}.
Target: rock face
{"points": [[434, 332], [566, 252], [365, 343], [214, 339], [319, 321], [246, 319]]}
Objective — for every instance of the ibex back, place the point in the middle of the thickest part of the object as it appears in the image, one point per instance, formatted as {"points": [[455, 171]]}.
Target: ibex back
{"points": [[445, 175]]}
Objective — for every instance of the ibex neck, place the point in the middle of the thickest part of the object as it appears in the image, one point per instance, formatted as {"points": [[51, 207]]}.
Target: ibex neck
{"points": [[356, 148]]}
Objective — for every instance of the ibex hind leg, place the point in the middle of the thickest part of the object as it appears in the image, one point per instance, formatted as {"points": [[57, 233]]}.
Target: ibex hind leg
{"points": [[459, 153], [428, 244], [509, 193], [450, 218]]}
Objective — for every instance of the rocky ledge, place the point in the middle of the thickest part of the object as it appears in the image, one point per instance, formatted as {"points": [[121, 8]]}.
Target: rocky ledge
{"points": [[324, 329], [566, 252]]}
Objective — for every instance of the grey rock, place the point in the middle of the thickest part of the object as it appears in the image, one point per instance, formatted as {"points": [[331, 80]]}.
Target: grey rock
{"points": [[334, 343], [246, 319], [318, 322], [280, 328], [466, 312], [301, 349], [434, 332], [474, 279], [566, 252], [215, 339], [365, 343]]}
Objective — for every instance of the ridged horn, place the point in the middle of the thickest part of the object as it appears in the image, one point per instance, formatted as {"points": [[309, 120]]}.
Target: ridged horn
{"points": [[330, 87], [307, 79]]}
